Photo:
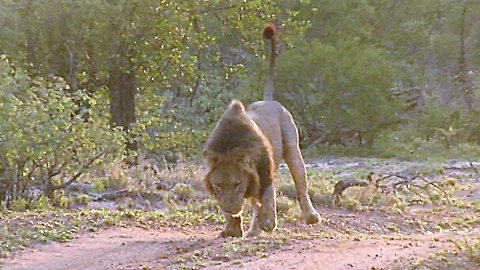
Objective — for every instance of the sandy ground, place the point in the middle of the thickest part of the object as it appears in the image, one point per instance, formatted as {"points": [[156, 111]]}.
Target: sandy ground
{"points": [[135, 248]]}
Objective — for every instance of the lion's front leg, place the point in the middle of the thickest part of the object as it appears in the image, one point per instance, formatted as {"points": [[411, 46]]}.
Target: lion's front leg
{"points": [[268, 210], [234, 227], [264, 213], [255, 229]]}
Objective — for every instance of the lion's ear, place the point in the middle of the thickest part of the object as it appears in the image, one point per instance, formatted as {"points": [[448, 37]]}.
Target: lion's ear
{"points": [[207, 183]]}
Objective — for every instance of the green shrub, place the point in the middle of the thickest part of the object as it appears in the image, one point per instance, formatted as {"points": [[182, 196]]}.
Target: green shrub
{"points": [[49, 134], [340, 90]]}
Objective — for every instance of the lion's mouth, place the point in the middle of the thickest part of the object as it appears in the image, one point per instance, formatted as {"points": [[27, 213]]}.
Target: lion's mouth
{"points": [[234, 213], [237, 214]]}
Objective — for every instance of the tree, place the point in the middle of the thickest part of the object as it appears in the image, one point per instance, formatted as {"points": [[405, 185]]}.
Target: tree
{"points": [[143, 52]]}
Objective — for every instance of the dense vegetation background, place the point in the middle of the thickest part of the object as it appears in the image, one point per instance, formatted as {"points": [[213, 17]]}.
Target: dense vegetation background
{"points": [[90, 82]]}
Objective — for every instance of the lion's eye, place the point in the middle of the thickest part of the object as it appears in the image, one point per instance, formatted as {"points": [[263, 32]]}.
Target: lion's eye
{"points": [[237, 186], [216, 189]]}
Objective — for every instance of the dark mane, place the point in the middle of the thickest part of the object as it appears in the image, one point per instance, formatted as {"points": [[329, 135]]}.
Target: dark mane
{"points": [[238, 138], [235, 131]]}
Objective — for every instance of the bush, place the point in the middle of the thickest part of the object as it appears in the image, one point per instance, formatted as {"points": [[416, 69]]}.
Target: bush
{"points": [[340, 91], [49, 134]]}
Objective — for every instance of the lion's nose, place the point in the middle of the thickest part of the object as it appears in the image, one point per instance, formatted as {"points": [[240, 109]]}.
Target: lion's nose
{"points": [[235, 213], [232, 210]]}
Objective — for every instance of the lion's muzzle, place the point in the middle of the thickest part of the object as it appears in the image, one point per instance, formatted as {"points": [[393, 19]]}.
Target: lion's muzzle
{"points": [[232, 204]]}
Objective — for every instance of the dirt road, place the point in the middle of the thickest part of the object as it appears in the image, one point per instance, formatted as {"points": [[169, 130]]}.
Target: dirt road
{"points": [[135, 248]]}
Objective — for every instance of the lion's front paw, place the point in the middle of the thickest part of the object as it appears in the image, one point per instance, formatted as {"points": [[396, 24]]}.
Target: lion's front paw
{"points": [[312, 217], [268, 224], [233, 228], [228, 232], [267, 219]]}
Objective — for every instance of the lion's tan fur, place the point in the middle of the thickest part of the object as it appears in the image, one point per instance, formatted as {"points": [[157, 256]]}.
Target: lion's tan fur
{"points": [[247, 146]]}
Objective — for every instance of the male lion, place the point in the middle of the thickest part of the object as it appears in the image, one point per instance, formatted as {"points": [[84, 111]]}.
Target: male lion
{"points": [[243, 153]]}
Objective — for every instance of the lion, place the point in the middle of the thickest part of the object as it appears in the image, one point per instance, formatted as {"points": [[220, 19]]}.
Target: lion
{"points": [[243, 153]]}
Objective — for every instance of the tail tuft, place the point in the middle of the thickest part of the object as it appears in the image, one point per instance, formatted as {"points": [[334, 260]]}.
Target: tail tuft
{"points": [[270, 31]]}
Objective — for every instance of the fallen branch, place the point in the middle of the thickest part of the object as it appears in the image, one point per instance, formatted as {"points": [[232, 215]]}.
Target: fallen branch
{"points": [[377, 181], [434, 185], [414, 192], [459, 167], [408, 183], [343, 184]]}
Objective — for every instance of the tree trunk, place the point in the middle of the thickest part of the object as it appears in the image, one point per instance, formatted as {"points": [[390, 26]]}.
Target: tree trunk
{"points": [[122, 85], [30, 39], [463, 64]]}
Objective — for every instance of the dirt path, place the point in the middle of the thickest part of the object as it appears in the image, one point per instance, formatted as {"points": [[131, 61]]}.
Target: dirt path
{"points": [[135, 248], [372, 253], [111, 249]]}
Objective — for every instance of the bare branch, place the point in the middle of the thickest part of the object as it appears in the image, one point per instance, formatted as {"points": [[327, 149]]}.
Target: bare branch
{"points": [[79, 173], [434, 185]]}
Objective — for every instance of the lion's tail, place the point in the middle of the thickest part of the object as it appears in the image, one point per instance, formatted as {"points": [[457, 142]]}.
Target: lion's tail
{"points": [[270, 33]]}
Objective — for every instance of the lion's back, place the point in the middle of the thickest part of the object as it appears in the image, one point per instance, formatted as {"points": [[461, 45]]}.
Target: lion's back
{"points": [[276, 123]]}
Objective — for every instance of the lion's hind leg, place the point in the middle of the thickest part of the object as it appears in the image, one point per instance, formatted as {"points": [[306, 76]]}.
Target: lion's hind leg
{"points": [[294, 159], [295, 163]]}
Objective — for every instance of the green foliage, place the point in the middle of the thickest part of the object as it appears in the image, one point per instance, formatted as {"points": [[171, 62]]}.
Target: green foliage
{"points": [[170, 55], [345, 89], [48, 134], [23, 204]]}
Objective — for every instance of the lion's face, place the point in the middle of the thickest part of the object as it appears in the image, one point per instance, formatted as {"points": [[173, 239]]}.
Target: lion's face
{"points": [[230, 184]]}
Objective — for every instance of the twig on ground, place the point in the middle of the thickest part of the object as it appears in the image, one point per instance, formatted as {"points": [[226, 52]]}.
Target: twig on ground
{"points": [[343, 184]]}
